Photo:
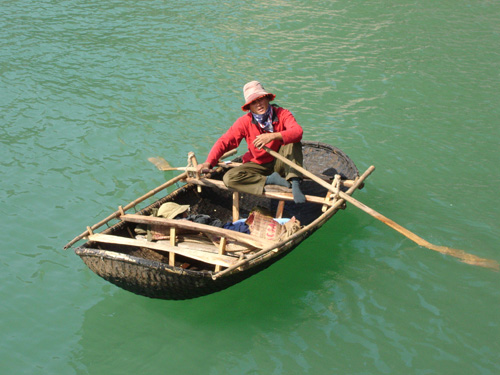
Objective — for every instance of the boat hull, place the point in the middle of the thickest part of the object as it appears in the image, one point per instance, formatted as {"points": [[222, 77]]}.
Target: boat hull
{"points": [[153, 277]]}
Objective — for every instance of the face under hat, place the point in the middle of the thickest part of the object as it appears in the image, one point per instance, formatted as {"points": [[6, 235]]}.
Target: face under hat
{"points": [[254, 90]]}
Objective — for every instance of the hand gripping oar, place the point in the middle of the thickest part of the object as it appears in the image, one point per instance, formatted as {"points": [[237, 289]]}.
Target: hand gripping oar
{"points": [[460, 254]]}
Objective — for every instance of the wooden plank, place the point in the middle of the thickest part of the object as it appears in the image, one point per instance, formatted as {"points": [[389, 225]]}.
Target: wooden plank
{"points": [[186, 224], [222, 260], [200, 246], [268, 194]]}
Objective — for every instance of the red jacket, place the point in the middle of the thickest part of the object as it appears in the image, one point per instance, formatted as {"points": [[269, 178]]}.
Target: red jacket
{"points": [[247, 128]]}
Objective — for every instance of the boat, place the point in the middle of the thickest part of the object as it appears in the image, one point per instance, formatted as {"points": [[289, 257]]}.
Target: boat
{"points": [[178, 259]]}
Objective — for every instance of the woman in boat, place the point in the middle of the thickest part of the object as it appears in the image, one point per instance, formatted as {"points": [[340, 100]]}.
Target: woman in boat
{"points": [[268, 125]]}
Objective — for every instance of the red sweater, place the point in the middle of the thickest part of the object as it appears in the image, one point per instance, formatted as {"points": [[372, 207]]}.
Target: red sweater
{"points": [[247, 128]]}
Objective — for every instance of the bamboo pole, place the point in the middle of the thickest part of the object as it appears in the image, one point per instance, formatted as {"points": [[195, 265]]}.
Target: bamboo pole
{"points": [[459, 254], [236, 206], [187, 169], [268, 194], [116, 214]]}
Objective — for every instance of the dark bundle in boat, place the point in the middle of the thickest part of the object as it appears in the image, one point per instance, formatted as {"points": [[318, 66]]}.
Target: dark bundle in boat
{"points": [[192, 259]]}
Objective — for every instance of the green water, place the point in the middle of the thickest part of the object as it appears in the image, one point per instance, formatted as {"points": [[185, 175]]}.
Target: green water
{"points": [[89, 90]]}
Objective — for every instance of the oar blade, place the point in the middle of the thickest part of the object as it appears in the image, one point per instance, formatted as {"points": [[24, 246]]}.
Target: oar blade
{"points": [[160, 163], [465, 257]]}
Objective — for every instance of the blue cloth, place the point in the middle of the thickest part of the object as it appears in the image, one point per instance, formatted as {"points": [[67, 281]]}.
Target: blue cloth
{"points": [[204, 219], [238, 226], [265, 120]]}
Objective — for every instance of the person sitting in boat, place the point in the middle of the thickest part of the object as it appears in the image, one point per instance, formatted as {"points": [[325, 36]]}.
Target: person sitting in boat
{"points": [[268, 125]]}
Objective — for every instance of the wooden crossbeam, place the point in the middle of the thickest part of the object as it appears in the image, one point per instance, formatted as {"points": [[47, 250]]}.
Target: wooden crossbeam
{"points": [[217, 259], [346, 183], [268, 194], [197, 227]]}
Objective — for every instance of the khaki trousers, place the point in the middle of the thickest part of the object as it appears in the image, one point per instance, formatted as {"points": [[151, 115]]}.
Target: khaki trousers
{"points": [[251, 177]]}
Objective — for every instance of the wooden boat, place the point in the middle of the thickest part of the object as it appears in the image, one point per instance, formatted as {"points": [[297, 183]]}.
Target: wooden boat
{"points": [[192, 259]]}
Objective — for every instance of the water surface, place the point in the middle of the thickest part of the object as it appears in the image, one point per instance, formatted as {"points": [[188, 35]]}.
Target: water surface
{"points": [[90, 90]]}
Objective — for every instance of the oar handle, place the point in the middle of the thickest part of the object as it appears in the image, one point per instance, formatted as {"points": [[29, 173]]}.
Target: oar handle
{"points": [[305, 172]]}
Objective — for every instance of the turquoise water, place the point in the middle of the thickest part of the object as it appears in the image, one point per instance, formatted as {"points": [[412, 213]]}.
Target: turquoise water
{"points": [[90, 90]]}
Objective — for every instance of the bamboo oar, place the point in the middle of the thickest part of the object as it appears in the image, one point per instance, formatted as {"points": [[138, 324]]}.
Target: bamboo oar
{"points": [[164, 165], [165, 168], [127, 207], [460, 254]]}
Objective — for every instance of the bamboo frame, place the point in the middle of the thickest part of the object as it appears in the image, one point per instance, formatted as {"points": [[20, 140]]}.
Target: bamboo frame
{"points": [[268, 194], [301, 232], [116, 214], [210, 258], [331, 196], [197, 227]]}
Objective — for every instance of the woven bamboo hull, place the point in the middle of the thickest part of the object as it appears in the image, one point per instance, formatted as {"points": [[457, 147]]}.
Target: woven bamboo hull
{"points": [[159, 280], [150, 274]]}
